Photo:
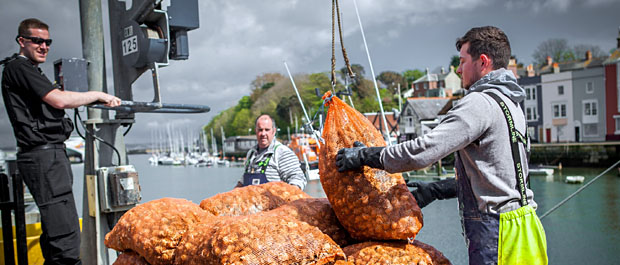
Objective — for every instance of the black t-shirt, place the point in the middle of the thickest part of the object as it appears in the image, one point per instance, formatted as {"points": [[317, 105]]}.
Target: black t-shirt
{"points": [[34, 121]]}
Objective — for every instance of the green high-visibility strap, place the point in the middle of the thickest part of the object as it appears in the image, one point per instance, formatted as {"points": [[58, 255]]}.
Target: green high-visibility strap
{"points": [[514, 144], [263, 164]]}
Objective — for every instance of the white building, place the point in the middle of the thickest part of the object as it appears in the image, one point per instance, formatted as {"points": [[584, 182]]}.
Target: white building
{"points": [[557, 107]]}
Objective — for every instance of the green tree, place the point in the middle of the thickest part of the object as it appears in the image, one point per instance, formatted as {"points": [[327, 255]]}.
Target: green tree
{"points": [[242, 122], [412, 75], [359, 72], [391, 80], [581, 49], [262, 83], [554, 48], [455, 61]]}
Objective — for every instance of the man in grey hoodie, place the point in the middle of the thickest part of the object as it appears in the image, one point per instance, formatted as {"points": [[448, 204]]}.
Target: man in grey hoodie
{"points": [[486, 130]]}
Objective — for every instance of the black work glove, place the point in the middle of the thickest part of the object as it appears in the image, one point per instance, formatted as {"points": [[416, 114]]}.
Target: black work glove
{"points": [[428, 192], [358, 156]]}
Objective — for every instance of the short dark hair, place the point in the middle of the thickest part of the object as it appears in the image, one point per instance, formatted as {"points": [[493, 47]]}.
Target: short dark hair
{"points": [[30, 23], [487, 40], [273, 122]]}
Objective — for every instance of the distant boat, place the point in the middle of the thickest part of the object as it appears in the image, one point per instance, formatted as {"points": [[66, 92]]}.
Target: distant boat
{"points": [[574, 179], [541, 171], [307, 151]]}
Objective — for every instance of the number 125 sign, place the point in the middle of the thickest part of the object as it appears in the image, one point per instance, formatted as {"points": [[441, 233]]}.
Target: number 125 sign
{"points": [[130, 45]]}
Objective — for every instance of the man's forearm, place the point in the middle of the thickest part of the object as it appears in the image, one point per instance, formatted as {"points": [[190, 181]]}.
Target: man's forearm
{"points": [[68, 99]]}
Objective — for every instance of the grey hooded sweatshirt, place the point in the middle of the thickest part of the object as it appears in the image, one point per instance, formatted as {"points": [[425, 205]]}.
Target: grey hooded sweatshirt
{"points": [[477, 129]]}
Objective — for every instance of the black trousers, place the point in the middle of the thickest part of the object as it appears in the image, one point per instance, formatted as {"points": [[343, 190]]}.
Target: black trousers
{"points": [[47, 173]]}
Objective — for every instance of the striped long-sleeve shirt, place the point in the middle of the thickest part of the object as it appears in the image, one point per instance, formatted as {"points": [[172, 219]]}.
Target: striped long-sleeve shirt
{"points": [[283, 164]]}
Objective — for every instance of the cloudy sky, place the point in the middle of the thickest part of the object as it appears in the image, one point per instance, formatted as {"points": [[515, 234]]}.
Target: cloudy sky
{"points": [[238, 40]]}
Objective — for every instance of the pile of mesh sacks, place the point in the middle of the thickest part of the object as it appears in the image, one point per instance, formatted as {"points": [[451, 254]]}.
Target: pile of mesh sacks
{"points": [[368, 217]]}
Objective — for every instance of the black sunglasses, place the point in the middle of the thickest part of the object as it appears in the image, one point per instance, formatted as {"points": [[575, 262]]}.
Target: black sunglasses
{"points": [[37, 40]]}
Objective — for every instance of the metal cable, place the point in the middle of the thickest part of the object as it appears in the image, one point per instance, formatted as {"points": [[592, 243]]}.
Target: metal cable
{"points": [[79, 117], [333, 73], [578, 191], [374, 79]]}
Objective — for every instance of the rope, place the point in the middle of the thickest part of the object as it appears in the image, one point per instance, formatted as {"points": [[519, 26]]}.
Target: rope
{"points": [[344, 51], [578, 191], [336, 16]]}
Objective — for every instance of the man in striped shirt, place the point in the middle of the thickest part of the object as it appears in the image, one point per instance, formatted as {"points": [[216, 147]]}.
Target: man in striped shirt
{"points": [[270, 160]]}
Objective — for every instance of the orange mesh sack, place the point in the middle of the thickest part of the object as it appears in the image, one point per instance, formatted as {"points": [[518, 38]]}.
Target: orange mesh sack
{"points": [[130, 258], [370, 203], [154, 229], [394, 253], [316, 212], [252, 199], [257, 239]]}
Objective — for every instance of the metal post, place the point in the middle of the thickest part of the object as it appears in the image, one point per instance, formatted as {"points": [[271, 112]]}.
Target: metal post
{"points": [[7, 206], [7, 230], [92, 249], [400, 100], [20, 214]]}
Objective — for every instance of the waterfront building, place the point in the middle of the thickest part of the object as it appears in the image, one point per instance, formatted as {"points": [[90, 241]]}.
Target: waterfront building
{"points": [[612, 94], [557, 98], [239, 145], [588, 95], [419, 116], [391, 118], [443, 84], [532, 105]]}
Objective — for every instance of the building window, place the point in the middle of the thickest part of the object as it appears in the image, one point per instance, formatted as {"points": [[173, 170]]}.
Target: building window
{"points": [[590, 108], [425, 85], [530, 93], [559, 110], [409, 122], [589, 87], [617, 118], [560, 90], [527, 93], [530, 114], [590, 129]]}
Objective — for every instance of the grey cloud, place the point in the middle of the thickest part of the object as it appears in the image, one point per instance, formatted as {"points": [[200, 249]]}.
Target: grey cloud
{"points": [[238, 40]]}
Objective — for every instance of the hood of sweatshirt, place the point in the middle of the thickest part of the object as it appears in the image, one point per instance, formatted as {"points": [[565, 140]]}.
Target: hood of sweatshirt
{"points": [[502, 80]]}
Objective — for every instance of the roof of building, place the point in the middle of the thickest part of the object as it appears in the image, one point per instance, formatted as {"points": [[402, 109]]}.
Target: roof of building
{"points": [[613, 58], [390, 118], [434, 77], [427, 108], [241, 138], [572, 65]]}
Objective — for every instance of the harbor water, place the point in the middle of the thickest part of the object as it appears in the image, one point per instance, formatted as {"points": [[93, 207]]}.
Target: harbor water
{"points": [[585, 230]]}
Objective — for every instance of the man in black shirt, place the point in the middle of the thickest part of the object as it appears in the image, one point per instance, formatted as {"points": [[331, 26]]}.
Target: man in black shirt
{"points": [[35, 109]]}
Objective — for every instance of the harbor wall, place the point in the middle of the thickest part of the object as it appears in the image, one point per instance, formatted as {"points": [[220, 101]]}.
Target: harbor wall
{"points": [[603, 154]]}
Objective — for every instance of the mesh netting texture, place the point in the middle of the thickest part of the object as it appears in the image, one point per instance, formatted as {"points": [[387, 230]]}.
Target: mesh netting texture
{"points": [[316, 212], [370, 203], [394, 253], [252, 199], [257, 239], [154, 229]]}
